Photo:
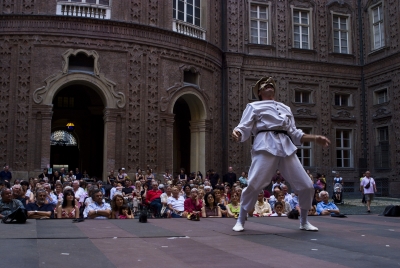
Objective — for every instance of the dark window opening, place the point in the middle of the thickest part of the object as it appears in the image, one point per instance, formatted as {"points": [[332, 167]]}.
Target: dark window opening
{"points": [[81, 62], [190, 77]]}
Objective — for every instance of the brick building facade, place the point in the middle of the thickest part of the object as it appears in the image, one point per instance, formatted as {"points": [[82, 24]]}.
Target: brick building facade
{"points": [[163, 83]]}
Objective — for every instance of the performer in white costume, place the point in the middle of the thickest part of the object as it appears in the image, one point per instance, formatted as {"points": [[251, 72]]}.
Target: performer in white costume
{"points": [[275, 136]]}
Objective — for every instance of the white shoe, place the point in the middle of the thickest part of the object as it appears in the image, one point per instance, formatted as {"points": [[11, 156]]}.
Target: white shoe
{"points": [[308, 227], [238, 227]]}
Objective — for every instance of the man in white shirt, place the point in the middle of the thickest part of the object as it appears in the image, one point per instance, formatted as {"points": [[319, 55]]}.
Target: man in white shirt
{"points": [[51, 197], [368, 187], [80, 193], [98, 209], [176, 203], [275, 139]]}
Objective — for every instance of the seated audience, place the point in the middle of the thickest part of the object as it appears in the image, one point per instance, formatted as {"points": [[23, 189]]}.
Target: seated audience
{"points": [[233, 208], [18, 194], [117, 202], [221, 202], [325, 207], [287, 196], [7, 203], [51, 197], [125, 212], [279, 210], [39, 209], [243, 179], [165, 212], [286, 205], [193, 205], [186, 191], [262, 207], [26, 191], [128, 191], [274, 195], [68, 209], [176, 204], [210, 209], [153, 199], [312, 211], [98, 209]]}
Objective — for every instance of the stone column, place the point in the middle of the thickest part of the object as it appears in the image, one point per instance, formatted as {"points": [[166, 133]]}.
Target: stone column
{"points": [[167, 142], [198, 145], [110, 123], [47, 115]]}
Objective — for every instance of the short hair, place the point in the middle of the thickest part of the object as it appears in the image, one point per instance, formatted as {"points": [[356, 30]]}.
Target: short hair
{"points": [[24, 183], [16, 185], [277, 204], [322, 193], [3, 191], [95, 192], [40, 190]]}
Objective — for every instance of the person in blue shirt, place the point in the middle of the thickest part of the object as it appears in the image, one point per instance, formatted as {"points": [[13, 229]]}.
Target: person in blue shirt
{"points": [[325, 207]]}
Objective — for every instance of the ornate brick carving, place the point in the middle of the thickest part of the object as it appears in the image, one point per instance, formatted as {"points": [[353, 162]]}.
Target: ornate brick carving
{"points": [[235, 22], [22, 106], [282, 40], [321, 39], [217, 21], [234, 115], [381, 112], [305, 113], [396, 124], [215, 115], [393, 9], [134, 96], [136, 10], [153, 12], [8, 6], [152, 116], [5, 67], [113, 98], [325, 125], [27, 6]]}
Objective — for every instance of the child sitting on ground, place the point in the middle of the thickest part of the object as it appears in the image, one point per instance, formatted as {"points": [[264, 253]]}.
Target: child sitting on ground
{"points": [[125, 212], [278, 210]]}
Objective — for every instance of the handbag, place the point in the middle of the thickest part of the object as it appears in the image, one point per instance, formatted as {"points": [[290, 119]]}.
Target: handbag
{"points": [[368, 185], [18, 215]]}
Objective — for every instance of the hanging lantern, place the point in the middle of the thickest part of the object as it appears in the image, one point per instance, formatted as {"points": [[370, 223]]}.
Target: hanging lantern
{"points": [[70, 127]]}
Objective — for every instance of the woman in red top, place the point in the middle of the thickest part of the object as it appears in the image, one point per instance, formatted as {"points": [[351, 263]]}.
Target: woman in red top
{"points": [[193, 205]]}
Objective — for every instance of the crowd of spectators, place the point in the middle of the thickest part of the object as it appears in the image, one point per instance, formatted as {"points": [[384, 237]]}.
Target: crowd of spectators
{"points": [[192, 196]]}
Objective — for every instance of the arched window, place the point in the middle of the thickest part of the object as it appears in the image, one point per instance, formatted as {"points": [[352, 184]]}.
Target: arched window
{"points": [[62, 137]]}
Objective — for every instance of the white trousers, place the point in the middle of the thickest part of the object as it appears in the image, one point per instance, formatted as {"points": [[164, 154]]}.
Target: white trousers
{"points": [[263, 167]]}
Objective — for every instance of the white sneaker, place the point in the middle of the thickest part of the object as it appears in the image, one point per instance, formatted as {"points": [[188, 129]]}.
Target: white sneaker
{"points": [[238, 227], [308, 227]]}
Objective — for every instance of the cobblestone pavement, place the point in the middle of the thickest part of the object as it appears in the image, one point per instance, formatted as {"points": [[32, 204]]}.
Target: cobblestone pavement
{"points": [[353, 206]]}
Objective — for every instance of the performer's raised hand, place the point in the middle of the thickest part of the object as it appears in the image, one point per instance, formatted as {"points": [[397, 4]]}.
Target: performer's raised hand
{"points": [[236, 135]]}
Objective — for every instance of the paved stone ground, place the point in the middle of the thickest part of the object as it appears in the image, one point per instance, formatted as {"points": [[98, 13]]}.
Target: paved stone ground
{"points": [[353, 206], [356, 241]]}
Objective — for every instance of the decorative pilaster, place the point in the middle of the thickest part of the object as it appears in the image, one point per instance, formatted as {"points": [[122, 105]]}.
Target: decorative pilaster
{"points": [[110, 123]]}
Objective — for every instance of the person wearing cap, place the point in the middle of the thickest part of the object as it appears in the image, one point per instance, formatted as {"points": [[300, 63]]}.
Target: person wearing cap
{"points": [[275, 139]]}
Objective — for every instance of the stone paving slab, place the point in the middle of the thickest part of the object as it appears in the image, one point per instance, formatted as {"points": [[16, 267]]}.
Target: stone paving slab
{"points": [[356, 241]]}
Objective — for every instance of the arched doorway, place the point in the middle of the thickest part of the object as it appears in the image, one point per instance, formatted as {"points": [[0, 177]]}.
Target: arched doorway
{"points": [[181, 152], [189, 132], [81, 105]]}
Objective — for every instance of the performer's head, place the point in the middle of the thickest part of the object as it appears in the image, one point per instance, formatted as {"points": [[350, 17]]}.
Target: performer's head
{"points": [[263, 84]]}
